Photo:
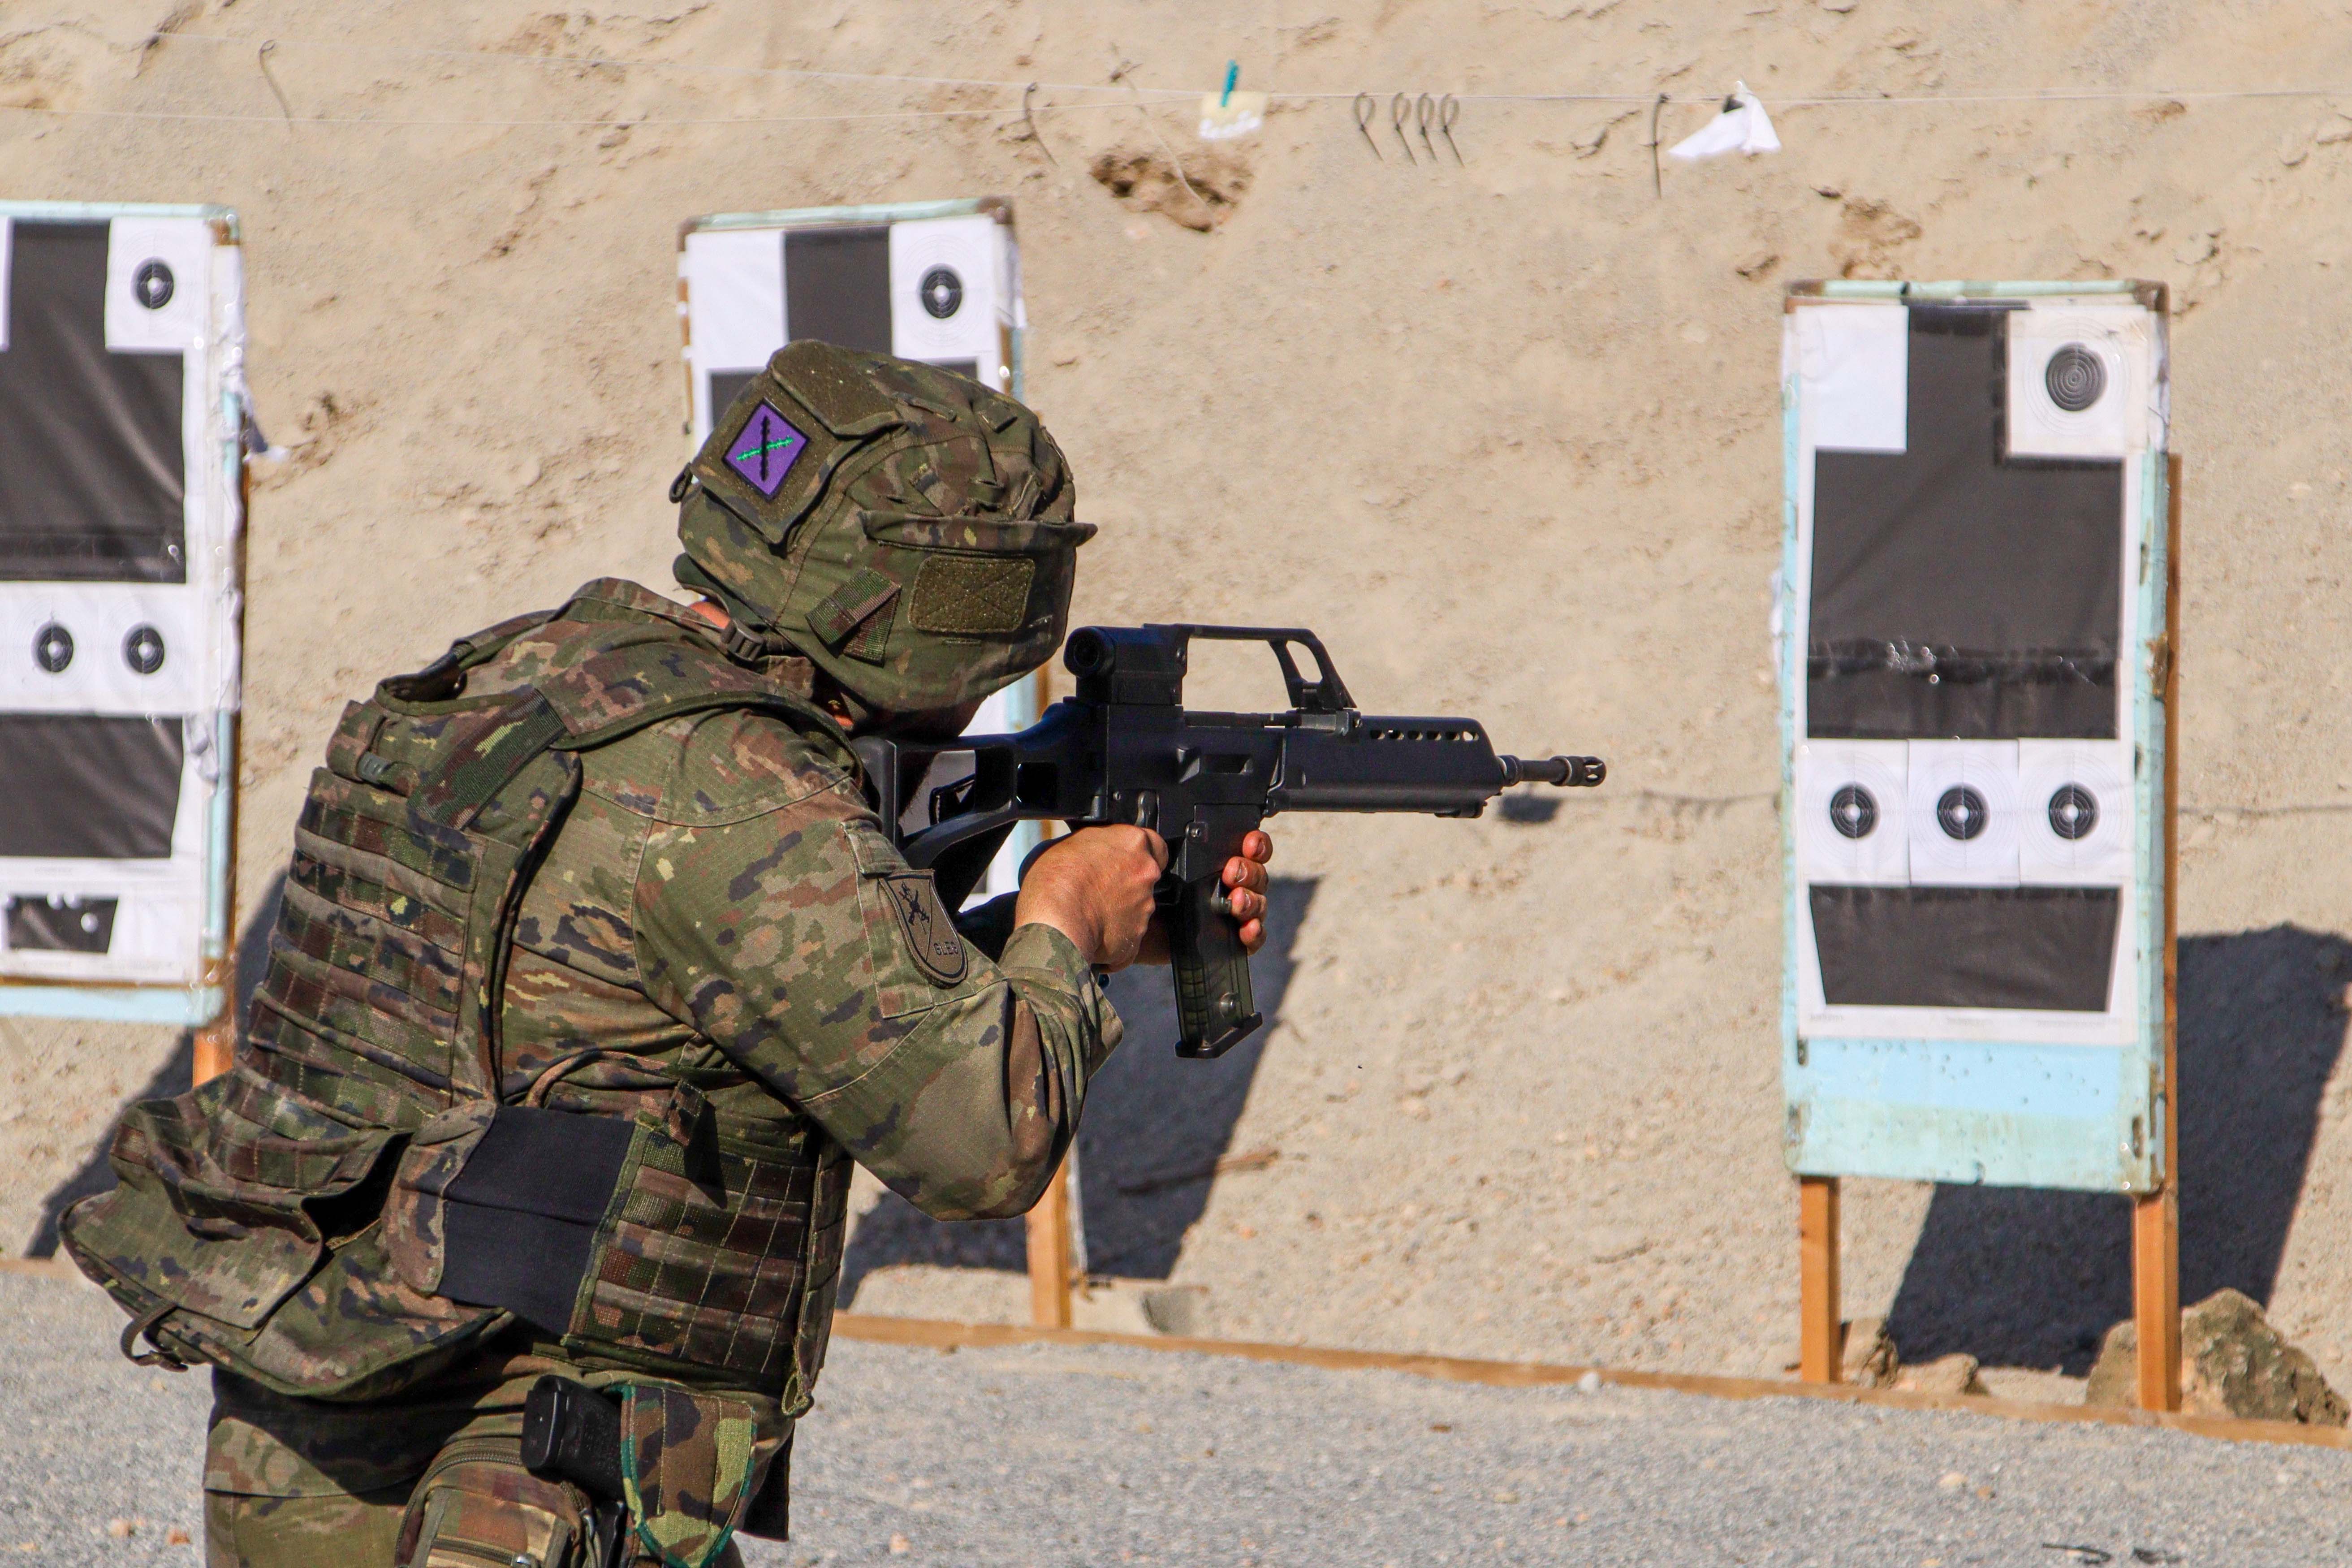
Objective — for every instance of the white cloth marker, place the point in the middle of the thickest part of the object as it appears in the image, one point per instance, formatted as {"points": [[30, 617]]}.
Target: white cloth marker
{"points": [[1742, 126]]}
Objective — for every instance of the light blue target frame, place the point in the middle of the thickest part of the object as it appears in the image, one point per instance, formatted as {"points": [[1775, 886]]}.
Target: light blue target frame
{"points": [[2083, 1117]]}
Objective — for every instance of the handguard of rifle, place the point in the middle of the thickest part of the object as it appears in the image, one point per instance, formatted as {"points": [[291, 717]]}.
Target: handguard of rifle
{"points": [[1214, 1009]]}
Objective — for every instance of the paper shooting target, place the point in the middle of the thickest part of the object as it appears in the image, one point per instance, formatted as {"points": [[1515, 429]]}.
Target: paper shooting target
{"points": [[121, 407], [937, 282], [1963, 814], [2077, 383], [1851, 797], [2075, 813], [1973, 571]]}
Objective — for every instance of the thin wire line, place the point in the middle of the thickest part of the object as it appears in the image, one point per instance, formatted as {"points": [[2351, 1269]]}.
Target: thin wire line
{"points": [[1006, 109], [2058, 96], [2033, 95], [2313, 808], [518, 56], [645, 120]]}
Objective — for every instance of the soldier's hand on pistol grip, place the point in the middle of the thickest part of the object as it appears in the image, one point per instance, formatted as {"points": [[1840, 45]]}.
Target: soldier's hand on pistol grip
{"points": [[1095, 886]]}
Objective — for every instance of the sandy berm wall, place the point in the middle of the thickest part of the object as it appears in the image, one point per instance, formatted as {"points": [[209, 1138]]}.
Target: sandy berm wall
{"points": [[1506, 434]]}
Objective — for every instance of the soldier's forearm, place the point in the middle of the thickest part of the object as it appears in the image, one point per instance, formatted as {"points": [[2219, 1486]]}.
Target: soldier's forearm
{"points": [[969, 1115]]}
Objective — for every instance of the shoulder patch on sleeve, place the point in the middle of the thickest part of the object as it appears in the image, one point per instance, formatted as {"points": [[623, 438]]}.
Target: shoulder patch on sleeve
{"points": [[932, 941], [917, 951]]}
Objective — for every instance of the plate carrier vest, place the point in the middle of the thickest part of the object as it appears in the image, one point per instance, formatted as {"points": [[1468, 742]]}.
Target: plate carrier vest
{"points": [[286, 1220]]}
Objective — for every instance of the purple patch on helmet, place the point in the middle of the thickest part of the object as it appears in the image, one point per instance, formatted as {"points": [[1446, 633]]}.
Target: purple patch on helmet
{"points": [[765, 449]]}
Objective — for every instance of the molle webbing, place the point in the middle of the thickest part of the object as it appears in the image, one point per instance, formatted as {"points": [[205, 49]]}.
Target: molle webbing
{"points": [[711, 1275], [385, 962], [418, 840]]}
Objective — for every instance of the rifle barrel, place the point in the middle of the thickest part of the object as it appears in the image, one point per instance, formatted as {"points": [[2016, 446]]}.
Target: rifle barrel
{"points": [[1568, 773]]}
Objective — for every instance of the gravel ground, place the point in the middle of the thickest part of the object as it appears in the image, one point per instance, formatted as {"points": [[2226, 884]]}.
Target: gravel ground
{"points": [[1046, 1454]]}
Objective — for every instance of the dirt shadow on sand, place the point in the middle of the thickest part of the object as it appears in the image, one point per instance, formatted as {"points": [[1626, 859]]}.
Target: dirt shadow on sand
{"points": [[1154, 1128], [2021, 1278]]}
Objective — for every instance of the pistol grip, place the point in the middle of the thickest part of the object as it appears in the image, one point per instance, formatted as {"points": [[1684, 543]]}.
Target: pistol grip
{"points": [[1214, 1009]]}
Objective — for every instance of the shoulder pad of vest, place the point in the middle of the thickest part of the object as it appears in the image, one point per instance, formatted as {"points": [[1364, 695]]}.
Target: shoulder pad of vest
{"points": [[624, 689]]}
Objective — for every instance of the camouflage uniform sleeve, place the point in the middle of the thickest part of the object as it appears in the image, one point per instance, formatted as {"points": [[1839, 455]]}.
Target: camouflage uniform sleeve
{"points": [[799, 941]]}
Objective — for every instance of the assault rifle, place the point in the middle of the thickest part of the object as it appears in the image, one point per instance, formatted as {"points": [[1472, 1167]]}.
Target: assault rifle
{"points": [[1126, 750]]}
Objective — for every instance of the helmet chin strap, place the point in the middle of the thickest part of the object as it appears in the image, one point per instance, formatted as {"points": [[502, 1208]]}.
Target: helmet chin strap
{"points": [[749, 640], [758, 649]]}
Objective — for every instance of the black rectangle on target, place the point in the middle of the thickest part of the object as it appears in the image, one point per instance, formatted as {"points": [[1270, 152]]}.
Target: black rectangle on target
{"points": [[1959, 592], [41, 925], [838, 286], [726, 387], [93, 473], [81, 786], [2048, 948]]}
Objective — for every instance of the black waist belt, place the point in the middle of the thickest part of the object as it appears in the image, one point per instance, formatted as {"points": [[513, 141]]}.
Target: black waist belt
{"points": [[519, 1222]]}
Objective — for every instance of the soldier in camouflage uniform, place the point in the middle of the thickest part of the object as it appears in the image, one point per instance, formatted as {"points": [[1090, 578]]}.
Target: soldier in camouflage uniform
{"points": [[593, 971]]}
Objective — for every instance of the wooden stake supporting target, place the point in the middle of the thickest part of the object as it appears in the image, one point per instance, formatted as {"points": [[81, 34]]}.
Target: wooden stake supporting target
{"points": [[213, 1049], [1820, 1342], [2156, 1299], [1052, 1259]]}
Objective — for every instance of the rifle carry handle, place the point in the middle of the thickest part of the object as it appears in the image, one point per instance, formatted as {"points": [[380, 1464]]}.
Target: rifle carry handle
{"points": [[1214, 1009]]}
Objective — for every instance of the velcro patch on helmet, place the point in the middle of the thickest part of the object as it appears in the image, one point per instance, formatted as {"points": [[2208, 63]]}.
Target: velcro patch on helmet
{"points": [[765, 467], [840, 612], [971, 594], [834, 388], [772, 453]]}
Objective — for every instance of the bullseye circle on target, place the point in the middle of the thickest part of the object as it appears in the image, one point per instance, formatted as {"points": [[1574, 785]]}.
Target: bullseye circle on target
{"points": [[142, 649], [2073, 813], [53, 648], [1853, 812], [152, 284], [1960, 813], [2076, 378], [943, 293]]}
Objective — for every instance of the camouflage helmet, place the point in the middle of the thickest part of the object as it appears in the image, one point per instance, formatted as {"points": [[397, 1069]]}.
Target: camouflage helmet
{"points": [[902, 526]]}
